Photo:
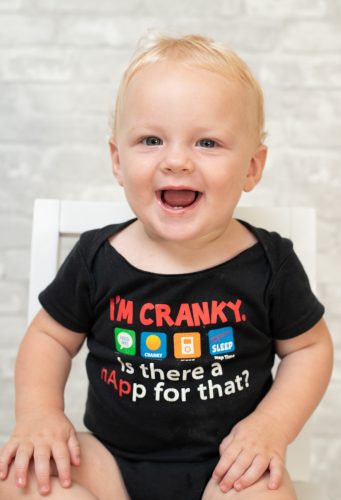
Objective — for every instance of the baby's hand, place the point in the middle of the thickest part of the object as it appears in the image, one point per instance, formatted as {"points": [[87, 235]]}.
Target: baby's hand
{"points": [[41, 437], [253, 446]]}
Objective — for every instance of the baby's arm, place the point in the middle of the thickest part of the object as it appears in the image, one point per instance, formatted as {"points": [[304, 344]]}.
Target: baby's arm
{"points": [[42, 431], [259, 441]]}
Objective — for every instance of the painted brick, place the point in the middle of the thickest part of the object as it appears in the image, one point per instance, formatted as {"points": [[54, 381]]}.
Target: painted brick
{"points": [[311, 134], [2, 266], [326, 420], [329, 265], [331, 296], [326, 461], [12, 297], [37, 64], [310, 168], [15, 230], [231, 32], [328, 234], [19, 163], [11, 5], [318, 36], [91, 164], [17, 262], [102, 64], [80, 30], [63, 64], [287, 9], [54, 130], [297, 71], [40, 99], [189, 9], [7, 363], [7, 417], [17, 29], [60, 64], [307, 104], [12, 329], [84, 6]]}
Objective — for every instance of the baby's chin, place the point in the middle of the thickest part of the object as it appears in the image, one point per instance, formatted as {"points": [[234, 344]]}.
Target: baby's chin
{"points": [[173, 232]]}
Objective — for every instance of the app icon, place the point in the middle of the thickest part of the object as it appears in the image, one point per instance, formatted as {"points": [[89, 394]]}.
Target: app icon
{"points": [[187, 345], [221, 341], [153, 345], [125, 341]]}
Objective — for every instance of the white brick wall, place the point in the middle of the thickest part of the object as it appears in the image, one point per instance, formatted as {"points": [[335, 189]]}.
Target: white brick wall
{"points": [[60, 62]]}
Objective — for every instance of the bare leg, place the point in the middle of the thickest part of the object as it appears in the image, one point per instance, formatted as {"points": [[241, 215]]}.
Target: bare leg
{"points": [[9, 491], [258, 491], [97, 478]]}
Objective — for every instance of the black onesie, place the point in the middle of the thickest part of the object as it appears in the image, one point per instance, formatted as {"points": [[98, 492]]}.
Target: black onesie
{"points": [[176, 360]]}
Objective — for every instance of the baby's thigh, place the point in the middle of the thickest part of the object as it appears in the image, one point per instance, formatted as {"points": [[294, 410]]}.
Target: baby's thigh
{"points": [[98, 472], [258, 491]]}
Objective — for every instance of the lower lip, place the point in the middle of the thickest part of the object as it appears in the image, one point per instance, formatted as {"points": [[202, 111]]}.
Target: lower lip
{"points": [[178, 210]]}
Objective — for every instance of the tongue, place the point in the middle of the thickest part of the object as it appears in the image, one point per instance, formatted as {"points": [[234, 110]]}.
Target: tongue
{"points": [[179, 198]]}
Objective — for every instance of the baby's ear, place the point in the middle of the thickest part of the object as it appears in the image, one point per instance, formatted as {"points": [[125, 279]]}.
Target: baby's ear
{"points": [[115, 160], [256, 167]]}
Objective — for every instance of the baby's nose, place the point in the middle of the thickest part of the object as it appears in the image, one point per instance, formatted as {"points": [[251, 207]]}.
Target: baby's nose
{"points": [[177, 160]]}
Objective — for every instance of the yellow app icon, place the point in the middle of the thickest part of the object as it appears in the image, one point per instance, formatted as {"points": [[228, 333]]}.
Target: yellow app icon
{"points": [[187, 345]]}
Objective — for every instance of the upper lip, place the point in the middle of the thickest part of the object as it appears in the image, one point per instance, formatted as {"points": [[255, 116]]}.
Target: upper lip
{"points": [[178, 188]]}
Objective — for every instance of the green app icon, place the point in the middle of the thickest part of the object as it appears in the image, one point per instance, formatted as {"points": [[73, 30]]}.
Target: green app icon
{"points": [[125, 341]]}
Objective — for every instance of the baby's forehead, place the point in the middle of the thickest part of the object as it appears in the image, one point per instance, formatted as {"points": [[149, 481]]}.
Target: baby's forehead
{"points": [[166, 68], [166, 79], [173, 80]]}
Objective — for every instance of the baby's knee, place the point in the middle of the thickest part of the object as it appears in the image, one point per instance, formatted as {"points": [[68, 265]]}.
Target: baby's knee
{"points": [[9, 490]]}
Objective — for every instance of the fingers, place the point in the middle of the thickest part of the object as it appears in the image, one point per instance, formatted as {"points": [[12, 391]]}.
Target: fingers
{"points": [[42, 455], [226, 442], [247, 469], [61, 457], [236, 470], [6, 456], [251, 475], [225, 462], [61, 454], [21, 463], [276, 473], [74, 449]]}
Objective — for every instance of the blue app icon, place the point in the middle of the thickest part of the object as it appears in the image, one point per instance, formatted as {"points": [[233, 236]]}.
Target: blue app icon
{"points": [[221, 341], [153, 345]]}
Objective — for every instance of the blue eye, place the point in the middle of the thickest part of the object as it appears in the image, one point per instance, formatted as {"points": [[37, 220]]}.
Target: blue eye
{"points": [[207, 143], [152, 141]]}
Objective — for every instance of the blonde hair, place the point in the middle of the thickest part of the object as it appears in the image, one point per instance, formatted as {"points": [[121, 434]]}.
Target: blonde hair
{"points": [[197, 51]]}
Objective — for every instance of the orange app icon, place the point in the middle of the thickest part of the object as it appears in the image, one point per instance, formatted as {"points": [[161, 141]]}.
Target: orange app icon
{"points": [[187, 345]]}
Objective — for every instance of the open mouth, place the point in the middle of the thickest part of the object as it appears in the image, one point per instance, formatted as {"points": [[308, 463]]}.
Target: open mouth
{"points": [[178, 199]]}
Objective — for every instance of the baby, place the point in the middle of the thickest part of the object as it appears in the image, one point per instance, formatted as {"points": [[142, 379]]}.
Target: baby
{"points": [[183, 310]]}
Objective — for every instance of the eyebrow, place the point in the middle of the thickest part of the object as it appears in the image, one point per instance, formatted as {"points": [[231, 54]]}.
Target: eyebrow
{"points": [[211, 130], [145, 126]]}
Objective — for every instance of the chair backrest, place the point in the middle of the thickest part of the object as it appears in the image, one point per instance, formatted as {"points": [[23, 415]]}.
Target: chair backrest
{"points": [[56, 218]]}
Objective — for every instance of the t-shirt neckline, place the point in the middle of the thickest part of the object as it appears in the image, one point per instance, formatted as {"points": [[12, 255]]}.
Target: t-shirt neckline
{"points": [[233, 260]]}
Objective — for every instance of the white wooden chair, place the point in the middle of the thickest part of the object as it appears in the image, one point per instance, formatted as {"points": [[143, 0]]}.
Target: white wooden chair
{"points": [[54, 219]]}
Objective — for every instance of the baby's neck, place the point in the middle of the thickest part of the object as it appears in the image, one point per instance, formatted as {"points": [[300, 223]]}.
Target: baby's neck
{"points": [[173, 257]]}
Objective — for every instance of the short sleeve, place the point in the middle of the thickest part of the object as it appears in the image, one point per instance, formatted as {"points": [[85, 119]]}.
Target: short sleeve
{"points": [[68, 298], [294, 308]]}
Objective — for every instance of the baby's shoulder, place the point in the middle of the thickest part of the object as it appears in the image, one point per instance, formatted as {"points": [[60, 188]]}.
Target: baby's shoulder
{"points": [[276, 247], [92, 240]]}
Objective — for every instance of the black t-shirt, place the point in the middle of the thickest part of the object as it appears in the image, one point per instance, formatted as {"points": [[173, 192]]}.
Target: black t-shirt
{"points": [[176, 360]]}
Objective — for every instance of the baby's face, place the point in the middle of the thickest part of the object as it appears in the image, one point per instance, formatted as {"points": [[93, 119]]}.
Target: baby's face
{"points": [[183, 151]]}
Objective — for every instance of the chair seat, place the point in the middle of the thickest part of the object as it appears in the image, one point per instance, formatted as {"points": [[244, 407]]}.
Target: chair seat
{"points": [[310, 491]]}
